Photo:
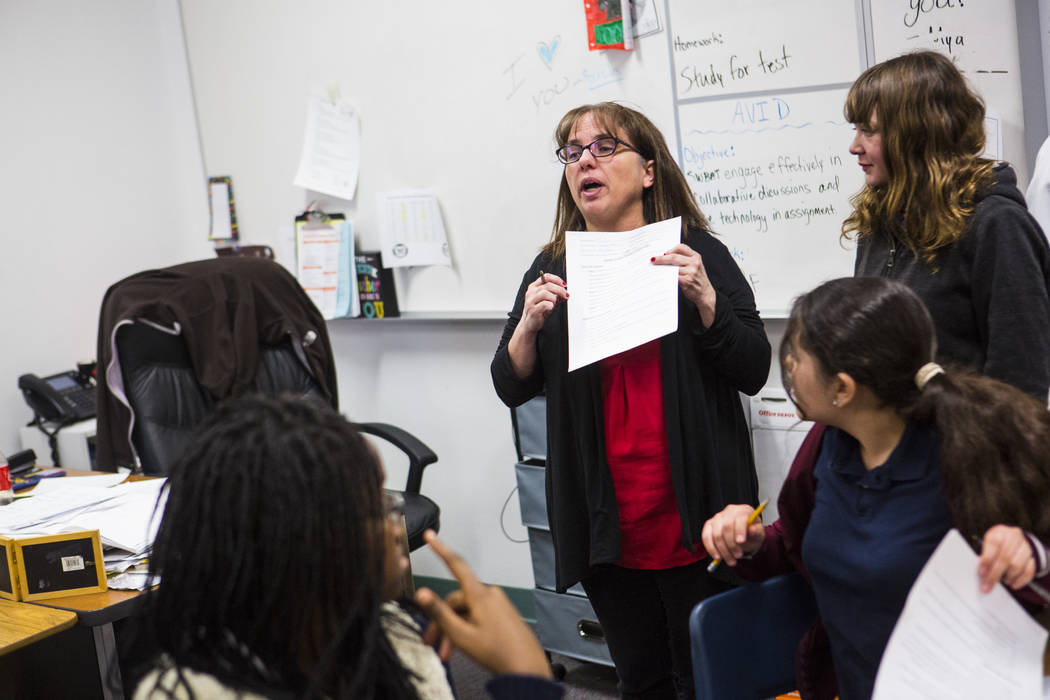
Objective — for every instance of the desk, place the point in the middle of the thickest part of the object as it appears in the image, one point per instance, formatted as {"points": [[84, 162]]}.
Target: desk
{"points": [[98, 612], [85, 644], [25, 623]]}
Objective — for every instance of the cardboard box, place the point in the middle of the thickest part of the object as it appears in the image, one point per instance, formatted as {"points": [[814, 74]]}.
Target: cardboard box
{"points": [[776, 434], [51, 566]]}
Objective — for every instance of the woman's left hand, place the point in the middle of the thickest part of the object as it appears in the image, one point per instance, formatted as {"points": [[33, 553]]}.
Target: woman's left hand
{"points": [[692, 279], [1007, 556]]}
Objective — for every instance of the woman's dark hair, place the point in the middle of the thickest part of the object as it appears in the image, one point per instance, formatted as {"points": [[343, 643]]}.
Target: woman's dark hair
{"points": [[668, 197], [932, 127], [995, 439], [270, 556]]}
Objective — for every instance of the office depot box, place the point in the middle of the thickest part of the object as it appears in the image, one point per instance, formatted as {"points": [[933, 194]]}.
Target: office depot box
{"points": [[776, 434], [52, 566]]}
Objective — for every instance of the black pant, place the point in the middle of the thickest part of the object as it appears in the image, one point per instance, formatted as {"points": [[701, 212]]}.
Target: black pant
{"points": [[644, 614]]}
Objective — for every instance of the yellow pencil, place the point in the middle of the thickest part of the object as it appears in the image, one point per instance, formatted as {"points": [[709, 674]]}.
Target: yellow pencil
{"points": [[750, 521]]}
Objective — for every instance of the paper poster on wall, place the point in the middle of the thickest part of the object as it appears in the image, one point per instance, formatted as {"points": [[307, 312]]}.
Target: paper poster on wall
{"points": [[331, 153], [411, 228], [609, 24], [644, 19], [993, 135], [774, 175], [752, 45]]}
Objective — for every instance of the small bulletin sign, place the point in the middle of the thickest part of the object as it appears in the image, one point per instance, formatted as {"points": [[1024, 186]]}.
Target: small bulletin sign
{"points": [[609, 24], [51, 566]]}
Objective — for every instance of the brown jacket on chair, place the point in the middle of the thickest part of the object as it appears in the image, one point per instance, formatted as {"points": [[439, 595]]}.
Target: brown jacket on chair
{"points": [[224, 309]]}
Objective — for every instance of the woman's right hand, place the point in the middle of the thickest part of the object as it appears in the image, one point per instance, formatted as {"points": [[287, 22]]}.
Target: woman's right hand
{"points": [[541, 297], [728, 537]]}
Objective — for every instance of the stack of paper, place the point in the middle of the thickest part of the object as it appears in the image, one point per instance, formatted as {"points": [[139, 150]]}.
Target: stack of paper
{"points": [[125, 514]]}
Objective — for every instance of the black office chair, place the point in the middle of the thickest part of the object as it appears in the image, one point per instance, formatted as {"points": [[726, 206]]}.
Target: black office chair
{"points": [[744, 640], [152, 390]]}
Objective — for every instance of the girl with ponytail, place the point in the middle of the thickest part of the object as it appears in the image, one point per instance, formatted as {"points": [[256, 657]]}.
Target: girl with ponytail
{"points": [[910, 450]]}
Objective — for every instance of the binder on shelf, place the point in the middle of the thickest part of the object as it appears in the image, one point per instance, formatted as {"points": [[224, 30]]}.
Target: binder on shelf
{"points": [[324, 246], [375, 286]]}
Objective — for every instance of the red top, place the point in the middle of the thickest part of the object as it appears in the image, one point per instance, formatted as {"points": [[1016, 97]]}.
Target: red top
{"points": [[636, 449]]}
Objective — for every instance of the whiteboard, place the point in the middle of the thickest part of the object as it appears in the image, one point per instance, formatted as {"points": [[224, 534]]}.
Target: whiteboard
{"points": [[763, 143], [773, 176], [459, 98], [758, 45], [980, 36], [462, 99]]}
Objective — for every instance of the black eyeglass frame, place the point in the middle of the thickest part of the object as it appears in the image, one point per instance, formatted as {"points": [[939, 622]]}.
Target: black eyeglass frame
{"points": [[559, 153]]}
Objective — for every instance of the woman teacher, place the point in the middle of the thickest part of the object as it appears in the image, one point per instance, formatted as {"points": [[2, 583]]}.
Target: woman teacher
{"points": [[643, 446]]}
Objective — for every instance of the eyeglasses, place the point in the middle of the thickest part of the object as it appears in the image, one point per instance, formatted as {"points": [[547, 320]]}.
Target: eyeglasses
{"points": [[601, 147], [393, 504]]}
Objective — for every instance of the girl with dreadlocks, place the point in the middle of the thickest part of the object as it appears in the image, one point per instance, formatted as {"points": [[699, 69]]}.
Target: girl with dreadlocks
{"points": [[284, 592], [910, 450]]}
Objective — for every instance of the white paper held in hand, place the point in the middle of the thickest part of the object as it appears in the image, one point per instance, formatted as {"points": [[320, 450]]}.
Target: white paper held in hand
{"points": [[618, 298], [953, 641]]}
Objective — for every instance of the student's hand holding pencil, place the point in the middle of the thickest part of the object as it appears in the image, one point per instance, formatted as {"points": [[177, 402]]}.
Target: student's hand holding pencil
{"points": [[733, 533]]}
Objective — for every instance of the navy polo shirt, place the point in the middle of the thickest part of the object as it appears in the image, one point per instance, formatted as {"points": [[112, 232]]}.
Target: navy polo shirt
{"points": [[870, 534]]}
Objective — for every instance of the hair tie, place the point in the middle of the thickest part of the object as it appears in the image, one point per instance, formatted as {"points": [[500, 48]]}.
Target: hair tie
{"points": [[927, 372]]}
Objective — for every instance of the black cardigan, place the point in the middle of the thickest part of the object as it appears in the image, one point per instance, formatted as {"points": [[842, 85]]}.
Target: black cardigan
{"points": [[707, 435]]}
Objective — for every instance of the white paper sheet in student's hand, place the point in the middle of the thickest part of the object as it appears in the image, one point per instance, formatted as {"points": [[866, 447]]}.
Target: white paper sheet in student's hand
{"points": [[618, 299], [952, 641]]}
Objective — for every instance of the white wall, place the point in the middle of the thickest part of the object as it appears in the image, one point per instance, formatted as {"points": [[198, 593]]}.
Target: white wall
{"points": [[100, 176], [432, 379]]}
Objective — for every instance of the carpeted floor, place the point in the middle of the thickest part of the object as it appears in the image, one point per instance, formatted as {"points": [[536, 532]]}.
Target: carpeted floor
{"points": [[583, 680]]}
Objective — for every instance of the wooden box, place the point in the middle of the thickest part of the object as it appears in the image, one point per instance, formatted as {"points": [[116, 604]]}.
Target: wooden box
{"points": [[8, 570], [51, 566]]}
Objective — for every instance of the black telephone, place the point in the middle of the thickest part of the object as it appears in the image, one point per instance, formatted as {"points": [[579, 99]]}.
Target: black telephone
{"points": [[66, 397]]}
